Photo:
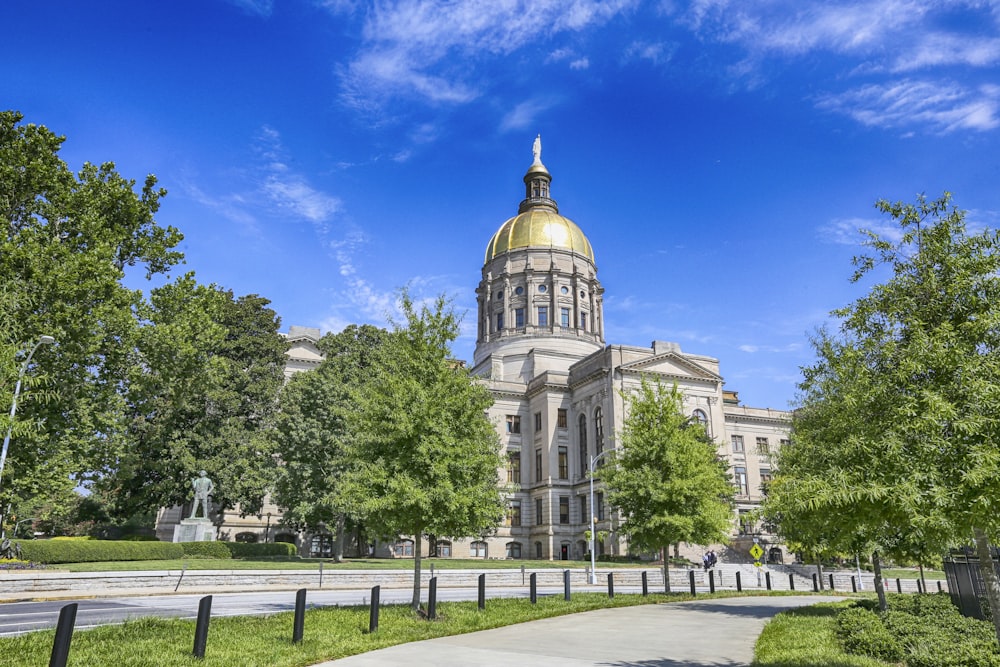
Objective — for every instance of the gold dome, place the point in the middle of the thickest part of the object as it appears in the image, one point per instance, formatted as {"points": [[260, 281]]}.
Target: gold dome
{"points": [[539, 227]]}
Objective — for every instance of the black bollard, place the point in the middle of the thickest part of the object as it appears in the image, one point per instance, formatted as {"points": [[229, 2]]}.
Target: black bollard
{"points": [[201, 627], [299, 625], [854, 584], [64, 635], [832, 588], [482, 591], [533, 579], [791, 581], [739, 583], [645, 584], [321, 574], [815, 583], [432, 599], [899, 585], [611, 584], [939, 587], [691, 581], [767, 580], [566, 585], [373, 613], [920, 588], [711, 581]]}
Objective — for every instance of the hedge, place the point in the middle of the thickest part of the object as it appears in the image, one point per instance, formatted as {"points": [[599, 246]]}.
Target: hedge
{"points": [[88, 551], [206, 549], [260, 549]]}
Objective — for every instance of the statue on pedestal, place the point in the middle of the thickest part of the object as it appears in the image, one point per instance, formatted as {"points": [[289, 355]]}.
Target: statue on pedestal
{"points": [[203, 488]]}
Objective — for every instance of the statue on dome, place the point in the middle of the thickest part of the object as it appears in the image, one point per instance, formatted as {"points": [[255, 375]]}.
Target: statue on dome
{"points": [[536, 149]]}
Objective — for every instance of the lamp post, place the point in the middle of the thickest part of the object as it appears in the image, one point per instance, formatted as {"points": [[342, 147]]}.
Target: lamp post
{"points": [[267, 530], [18, 525], [593, 517], [42, 340]]}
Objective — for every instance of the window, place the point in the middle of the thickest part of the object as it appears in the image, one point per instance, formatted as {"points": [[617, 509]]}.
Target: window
{"points": [[519, 291], [563, 509], [582, 434], [584, 518], [478, 549], [538, 422], [513, 550], [765, 479], [514, 467], [538, 511], [538, 550], [746, 523], [561, 418], [564, 290], [515, 513], [444, 549], [564, 317], [542, 288], [538, 465], [519, 318], [583, 321], [784, 441], [763, 447], [500, 321], [600, 507], [699, 417], [740, 479], [737, 442], [403, 548], [543, 316], [599, 430], [513, 423], [563, 463], [499, 295]]}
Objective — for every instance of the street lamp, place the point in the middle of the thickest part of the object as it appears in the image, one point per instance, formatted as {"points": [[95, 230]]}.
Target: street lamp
{"points": [[42, 340], [593, 517]]}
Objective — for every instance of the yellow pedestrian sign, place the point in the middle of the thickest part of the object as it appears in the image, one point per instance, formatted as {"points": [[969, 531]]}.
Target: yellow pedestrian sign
{"points": [[756, 551], [756, 563]]}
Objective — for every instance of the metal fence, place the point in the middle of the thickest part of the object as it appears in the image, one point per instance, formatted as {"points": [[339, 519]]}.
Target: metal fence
{"points": [[965, 581]]}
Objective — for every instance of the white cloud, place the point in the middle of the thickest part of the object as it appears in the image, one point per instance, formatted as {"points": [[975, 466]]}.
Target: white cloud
{"points": [[940, 49], [524, 114], [257, 7], [657, 53], [774, 349], [847, 231], [580, 63]]}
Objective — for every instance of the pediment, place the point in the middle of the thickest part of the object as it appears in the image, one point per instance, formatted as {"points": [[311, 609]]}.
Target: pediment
{"points": [[671, 364]]}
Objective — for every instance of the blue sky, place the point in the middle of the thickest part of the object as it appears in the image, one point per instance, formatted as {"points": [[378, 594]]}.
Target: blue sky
{"points": [[719, 154]]}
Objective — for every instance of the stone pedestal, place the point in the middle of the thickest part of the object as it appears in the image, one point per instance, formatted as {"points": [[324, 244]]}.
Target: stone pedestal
{"points": [[195, 530]]}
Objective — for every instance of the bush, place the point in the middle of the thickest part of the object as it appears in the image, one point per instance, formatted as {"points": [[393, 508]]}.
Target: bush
{"points": [[862, 633], [206, 549], [260, 550], [88, 551]]}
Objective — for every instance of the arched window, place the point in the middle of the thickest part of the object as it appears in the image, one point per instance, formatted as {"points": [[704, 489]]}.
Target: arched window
{"points": [[700, 417], [599, 430], [444, 549], [249, 538], [477, 549], [513, 550], [582, 436], [538, 550], [287, 538], [403, 549]]}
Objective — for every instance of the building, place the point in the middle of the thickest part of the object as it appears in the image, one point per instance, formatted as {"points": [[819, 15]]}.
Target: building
{"points": [[558, 387]]}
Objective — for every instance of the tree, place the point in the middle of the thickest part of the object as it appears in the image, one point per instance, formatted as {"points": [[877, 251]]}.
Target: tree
{"points": [[66, 242], [426, 457], [667, 478], [312, 436], [901, 413], [202, 396]]}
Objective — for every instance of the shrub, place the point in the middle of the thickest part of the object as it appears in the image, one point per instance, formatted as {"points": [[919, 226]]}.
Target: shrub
{"points": [[206, 549], [862, 633], [260, 549], [88, 551]]}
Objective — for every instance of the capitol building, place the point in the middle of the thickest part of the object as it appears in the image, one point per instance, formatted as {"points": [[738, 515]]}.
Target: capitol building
{"points": [[558, 389]]}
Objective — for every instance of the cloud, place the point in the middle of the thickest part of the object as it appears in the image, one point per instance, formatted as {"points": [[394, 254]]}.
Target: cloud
{"points": [[657, 53], [261, 8], [942, 107], [938, 50], [847, 231], [772, 349], [524, 114]]}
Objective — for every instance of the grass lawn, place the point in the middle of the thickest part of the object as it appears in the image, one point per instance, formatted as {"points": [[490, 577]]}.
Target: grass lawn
{"points": [[910, 573], [351, 564]]}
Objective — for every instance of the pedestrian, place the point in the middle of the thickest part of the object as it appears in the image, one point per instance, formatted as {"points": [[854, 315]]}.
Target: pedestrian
{"points": [[712, 559], [706, 560]]}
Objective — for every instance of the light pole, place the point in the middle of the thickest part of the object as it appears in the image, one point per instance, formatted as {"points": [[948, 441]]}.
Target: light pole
{"points": [[18, 524], [42, 340], [593, 517]]}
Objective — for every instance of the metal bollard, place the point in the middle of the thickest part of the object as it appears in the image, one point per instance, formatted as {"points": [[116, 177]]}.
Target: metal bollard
{"points": [[815, 583], [432, 599], [645, 584], [691, 581], [373, 610], [482, 591], [321, 574], [534, 587], [711, 581], [64, 635], [299, 624], [939, 587], [831, 583], [767, 580], [854, 584], [201, 627], [611, 584], [791, 582], [566, 585], [739, 583], [899, 585]]}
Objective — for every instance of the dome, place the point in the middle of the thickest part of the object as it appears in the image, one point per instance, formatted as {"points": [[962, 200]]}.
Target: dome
{"points": [[539, 227]]}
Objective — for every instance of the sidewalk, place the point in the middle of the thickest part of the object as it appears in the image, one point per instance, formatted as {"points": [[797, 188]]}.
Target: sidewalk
{"points": [[710, 633]]}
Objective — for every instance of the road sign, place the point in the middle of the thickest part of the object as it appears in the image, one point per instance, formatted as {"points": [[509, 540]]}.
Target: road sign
{"points": [[756, 563], [756, 551]]}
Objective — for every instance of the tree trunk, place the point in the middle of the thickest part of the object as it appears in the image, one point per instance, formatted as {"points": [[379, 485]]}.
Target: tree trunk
{"points": [[338, 539], [665, 552], [989, 575], [417, 544], [879, 588], [819, 572]]}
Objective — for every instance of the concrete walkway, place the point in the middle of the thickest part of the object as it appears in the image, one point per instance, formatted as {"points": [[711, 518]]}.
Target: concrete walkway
{"points": [[710, 633]]}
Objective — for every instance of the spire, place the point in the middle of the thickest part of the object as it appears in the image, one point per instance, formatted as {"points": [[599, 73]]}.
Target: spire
{"points": [[536, 182]]}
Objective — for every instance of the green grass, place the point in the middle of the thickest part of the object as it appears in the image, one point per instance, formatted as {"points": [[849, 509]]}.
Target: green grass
{"points": [[806, 638], [351, 564], [908, 573], [330, 633]]}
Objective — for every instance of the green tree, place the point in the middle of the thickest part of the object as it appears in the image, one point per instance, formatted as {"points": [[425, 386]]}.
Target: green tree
{"points": [[901, 413], [426, 457], [202, 396], [66, 244], [667, 478], [312, 437]]}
